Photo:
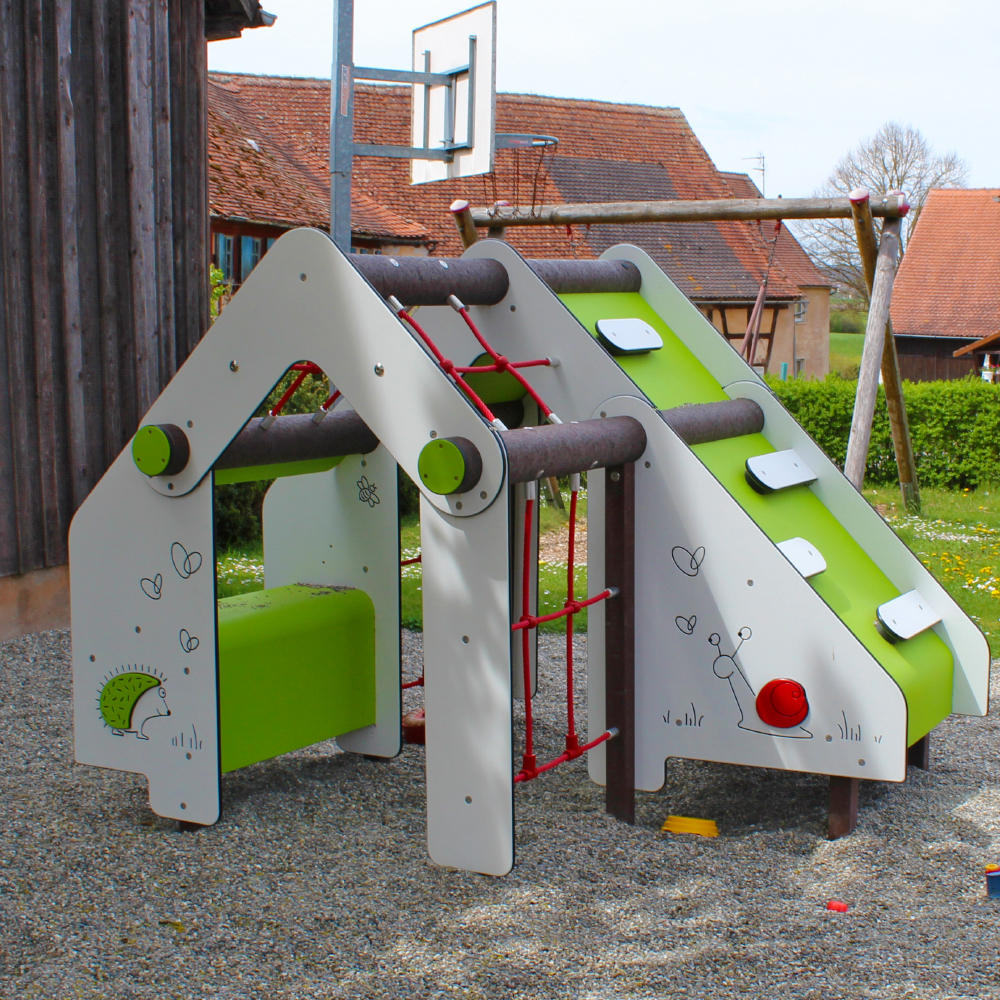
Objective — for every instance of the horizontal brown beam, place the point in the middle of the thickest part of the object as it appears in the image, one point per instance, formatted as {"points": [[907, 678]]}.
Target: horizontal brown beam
{"points": [[561, 449], [699, 423], [707, 210], [428, 281], [297, 438]]}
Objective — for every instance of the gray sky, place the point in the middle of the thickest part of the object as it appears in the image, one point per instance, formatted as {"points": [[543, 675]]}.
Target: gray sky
{"points": [[801, 82]]}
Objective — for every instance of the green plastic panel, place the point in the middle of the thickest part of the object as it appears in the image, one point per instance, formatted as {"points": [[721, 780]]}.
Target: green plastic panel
{"points": [[254, 473], [441, 466], [853, 586], [151, 450], [296, 666]]}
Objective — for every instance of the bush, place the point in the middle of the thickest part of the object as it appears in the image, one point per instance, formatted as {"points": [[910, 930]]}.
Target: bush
{"points": [[955, 427]]}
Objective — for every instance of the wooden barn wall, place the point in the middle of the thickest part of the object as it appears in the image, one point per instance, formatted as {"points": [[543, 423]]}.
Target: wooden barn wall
{"points": [[103, 243], [928, 359]]}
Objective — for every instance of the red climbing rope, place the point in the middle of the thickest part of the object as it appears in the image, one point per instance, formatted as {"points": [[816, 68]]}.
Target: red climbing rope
{"points": [[447, 365], [303, 368], [572, 742], [529, 763], [419, 682], [500, 363], [410, 562], [527, 621]]}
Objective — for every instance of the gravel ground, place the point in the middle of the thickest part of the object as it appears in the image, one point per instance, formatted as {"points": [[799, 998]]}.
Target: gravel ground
{"points": [[316, 882]]}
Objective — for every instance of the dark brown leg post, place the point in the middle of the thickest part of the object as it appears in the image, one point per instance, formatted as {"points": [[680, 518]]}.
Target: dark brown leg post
{"points": [[919, 755], [619, 641], [843, 806]]}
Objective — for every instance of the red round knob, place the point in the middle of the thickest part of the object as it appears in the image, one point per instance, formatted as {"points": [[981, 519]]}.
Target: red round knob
{"points": [[782, 703]]}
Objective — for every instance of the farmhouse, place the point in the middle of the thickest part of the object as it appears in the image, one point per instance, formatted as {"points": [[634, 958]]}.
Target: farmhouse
{"points": [[946, 304], [268, 159]]}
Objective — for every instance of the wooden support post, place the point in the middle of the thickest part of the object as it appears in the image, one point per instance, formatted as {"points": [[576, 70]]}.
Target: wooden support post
{"points": [[871, 355], [843, 815], [864, 229], [919, 755], [462, 215], [619, 641]]}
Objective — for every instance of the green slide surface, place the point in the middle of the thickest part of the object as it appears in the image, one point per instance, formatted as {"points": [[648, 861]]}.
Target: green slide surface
{"points": [[296, 666], [852, 585]]}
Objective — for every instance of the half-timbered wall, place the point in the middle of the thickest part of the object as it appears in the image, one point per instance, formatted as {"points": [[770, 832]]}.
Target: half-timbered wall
{"points": [[103, 243]]}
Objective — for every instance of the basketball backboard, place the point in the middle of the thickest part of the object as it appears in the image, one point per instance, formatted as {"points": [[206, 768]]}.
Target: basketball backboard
{"points": [[457, 116]]}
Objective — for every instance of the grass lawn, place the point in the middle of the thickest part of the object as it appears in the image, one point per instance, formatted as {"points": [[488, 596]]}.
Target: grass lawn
{"points": [[957, 537], [845, 350]]}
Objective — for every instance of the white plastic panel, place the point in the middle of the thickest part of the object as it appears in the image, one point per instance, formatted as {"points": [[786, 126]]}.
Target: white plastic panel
{"points": [[719, 613], [306, 301], [804, 556], [628, 336], [341, 528], [142, 579], [967, 643], [779, 470], [467, 688], [906, 616]]}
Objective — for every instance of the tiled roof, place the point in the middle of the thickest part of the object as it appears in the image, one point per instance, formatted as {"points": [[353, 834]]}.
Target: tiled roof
{"points": [[263, 166], [606, 152], [794, 261], [948, 283]]}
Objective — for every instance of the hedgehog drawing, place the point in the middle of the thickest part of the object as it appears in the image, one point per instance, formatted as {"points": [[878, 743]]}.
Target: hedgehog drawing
{"points": [[128, 701]]}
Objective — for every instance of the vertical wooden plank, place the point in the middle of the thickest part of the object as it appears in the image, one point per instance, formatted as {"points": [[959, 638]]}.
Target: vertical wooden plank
{"points": [[142, 199], [46, 276], [619, 618], [82, 93], [919, 755], [843, 814], [22, 506], [162, 172], [76, 474], [189, 81], [113, 317]]}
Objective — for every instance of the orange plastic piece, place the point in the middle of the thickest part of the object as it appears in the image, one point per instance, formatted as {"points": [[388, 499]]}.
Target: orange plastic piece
{"points": [[688, 824]]}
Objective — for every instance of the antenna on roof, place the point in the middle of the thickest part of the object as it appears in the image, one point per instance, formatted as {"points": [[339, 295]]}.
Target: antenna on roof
{"points": [[454, 98], [759, 170]]}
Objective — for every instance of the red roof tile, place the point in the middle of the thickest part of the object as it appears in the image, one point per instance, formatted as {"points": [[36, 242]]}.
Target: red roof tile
{"points": [[606, 152], [263, 165], [948, 283]]}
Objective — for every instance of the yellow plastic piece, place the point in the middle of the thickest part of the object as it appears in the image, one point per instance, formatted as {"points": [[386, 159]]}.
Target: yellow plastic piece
{"points": [[687, 824]]}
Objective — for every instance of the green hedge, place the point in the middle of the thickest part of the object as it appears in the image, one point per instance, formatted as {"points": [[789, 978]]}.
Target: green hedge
{"points": [[955, 426]]}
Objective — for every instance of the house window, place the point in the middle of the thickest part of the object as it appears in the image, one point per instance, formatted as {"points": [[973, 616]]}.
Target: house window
{"points": [[250, 253], [224, 255], [800, 311], [271, 240]]}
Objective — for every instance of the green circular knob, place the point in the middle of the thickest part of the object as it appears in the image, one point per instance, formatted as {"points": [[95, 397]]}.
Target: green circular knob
{"points": [[449, 465], [160, 450]]}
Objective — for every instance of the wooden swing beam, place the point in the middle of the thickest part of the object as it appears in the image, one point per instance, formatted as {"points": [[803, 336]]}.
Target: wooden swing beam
{"points": [[468, 219]]}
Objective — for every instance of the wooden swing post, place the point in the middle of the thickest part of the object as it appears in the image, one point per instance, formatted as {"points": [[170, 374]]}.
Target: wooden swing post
{"points": [[864, 229]]}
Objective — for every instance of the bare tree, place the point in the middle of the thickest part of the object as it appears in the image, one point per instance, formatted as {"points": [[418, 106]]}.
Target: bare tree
{"points": [[896, 158]]}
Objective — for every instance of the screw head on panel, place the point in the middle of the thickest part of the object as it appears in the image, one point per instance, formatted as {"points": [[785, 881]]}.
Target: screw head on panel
{"points": [[380, 369]]}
